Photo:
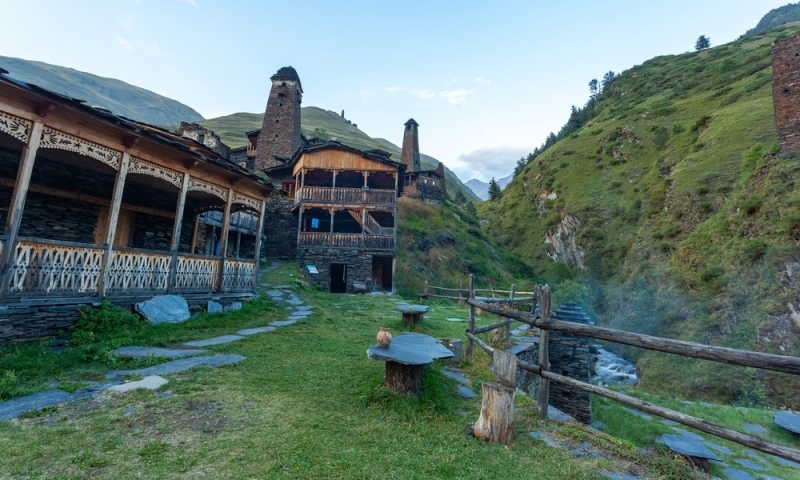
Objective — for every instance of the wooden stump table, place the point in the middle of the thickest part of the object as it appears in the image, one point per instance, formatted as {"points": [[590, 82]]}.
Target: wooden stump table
{"points": [[407, 358], [412, 313]]}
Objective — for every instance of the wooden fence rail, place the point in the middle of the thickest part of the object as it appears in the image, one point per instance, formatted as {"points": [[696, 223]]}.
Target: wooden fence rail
{"points": [[731, 356]]}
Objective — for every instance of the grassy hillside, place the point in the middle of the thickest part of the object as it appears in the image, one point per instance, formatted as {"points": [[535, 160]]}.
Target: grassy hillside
{"points": [[115, 95], [315, 122], [776, 18], [689, 226]]}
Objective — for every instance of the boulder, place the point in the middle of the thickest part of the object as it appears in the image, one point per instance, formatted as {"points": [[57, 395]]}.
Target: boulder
{"points": [[164, 309]]}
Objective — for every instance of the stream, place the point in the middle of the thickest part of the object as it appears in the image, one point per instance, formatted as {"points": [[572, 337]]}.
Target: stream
{"points": [[611, 369]]}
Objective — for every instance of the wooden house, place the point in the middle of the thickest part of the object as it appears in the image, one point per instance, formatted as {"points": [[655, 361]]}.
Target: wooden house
{"points": [[345, 202], [96, 205]]}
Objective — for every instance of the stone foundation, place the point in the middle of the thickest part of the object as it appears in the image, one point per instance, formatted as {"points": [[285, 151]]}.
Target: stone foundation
{"points": [[358, 265], [280, 228]]}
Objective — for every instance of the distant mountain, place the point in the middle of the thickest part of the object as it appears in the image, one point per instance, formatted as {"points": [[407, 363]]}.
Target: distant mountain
{"points": [[121, 98], [481, 189], [776, 17], [324, 123]]}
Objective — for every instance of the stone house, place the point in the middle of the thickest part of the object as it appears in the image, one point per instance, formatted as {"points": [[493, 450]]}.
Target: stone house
{"points": [[96, 205], [428, 185]]}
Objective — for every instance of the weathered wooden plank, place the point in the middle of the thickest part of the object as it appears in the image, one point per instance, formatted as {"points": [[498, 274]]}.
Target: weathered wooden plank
{"points": [[766, 361], [504, 366], [543, 394], [471, 327]]}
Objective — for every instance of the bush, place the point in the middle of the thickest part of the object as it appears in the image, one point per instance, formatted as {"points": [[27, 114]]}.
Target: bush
{"points": [[97, 323], [750, 205], [754, 250], [711, 274], [706, 206]]}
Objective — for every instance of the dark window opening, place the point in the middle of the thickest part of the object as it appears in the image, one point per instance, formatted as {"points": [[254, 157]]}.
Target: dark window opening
{"points": [[382, 273], [338, 278]]}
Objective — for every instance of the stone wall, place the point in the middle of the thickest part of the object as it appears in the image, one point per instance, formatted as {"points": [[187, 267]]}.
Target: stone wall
{"points": [[239, 157], [569, 356], [280, 135], [429, 187], [204, 136], [786, 94], [280, 228], [359, 264]]}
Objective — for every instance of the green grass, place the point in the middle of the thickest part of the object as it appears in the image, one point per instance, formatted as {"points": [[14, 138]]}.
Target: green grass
{"points": [[306, 403]]}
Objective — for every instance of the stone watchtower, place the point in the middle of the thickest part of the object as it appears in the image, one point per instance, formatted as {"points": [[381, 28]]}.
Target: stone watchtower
{"points": [[280, 134], [786, 94], [409, 155]]}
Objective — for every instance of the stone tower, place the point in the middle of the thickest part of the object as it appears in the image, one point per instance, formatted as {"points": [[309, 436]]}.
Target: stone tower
{"points": [[280, 134], [409, 155], [786, 94]]}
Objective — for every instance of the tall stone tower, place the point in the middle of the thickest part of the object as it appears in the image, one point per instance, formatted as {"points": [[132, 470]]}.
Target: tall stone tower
{"points": [[280, 134], [409, 155], [786, 94]]}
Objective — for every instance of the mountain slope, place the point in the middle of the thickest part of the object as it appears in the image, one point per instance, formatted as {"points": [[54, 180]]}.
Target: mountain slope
{"points": [[776, 18], [115, 95], [680, 221], [318, 122]]}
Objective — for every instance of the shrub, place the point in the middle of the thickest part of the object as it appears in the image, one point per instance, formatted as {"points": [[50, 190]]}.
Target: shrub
{"points": [[754, 250], [706, 206], [711, 274], [95, 323], [750, 205], [677, 128], [701, 123]]}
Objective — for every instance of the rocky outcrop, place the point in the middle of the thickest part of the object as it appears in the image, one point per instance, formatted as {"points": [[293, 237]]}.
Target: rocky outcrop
{"points": [[565, 247]]}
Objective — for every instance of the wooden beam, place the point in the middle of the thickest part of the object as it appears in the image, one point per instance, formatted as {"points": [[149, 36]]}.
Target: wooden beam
{"points": [[194, 233], [471, 327], [176, 232], [17, 206], [259, 232], [223, 241], [113, 218]]}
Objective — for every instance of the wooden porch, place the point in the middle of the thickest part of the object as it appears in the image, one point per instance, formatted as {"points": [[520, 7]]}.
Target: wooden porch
{"points": [[352, 196], [347, 240]]}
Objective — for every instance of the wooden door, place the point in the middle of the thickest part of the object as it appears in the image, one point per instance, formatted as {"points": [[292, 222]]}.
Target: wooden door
{"points": [[123, 232]]}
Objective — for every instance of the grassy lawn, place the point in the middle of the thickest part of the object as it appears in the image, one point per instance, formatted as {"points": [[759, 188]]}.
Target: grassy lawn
{"points": [[306, 403]]}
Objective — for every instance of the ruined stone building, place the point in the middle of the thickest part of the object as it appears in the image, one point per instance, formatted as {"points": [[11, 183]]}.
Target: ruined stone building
{"points": [[99, 206], [428, 185], [786, 94]]}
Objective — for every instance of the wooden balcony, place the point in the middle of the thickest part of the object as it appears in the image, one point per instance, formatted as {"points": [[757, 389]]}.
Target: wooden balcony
{"points": [[50, 268], [346, 240], [345, 196]]}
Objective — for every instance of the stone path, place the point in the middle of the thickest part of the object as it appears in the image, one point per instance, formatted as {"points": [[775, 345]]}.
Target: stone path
{"points": [[183, 358]]}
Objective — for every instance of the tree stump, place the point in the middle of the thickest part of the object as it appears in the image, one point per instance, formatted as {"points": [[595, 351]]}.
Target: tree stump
{"points": [[496, 423], [404, 379]]}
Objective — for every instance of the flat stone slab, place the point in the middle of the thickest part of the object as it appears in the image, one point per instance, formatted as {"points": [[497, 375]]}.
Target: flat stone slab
{"points": [[718, 448], [688, 446], [543, 437], [788, 420], [457, 376], [234, 307], [749, 464], [275, 293], [410, 349], [16, 407], [736, 474], [466, 392], [302, 313], [147, 352], [753, 428], [295, 301], [213, 307], [555, 414], [164, 309], [153, 382], [784, 462], [295, 318], [455, 320], [305, 308], [177, 366], [637, 413], [253, 331], [619, 476], [519, 348], [214, 341], [406, 308], [283, 323]]}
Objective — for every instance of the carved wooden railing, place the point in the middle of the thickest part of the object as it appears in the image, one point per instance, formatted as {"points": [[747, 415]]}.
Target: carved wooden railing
{"points": [[375, 228], [345, 195], [51, 266], [196, 273], [239, 275], [240, 221], [346, 240], [136, 271]]}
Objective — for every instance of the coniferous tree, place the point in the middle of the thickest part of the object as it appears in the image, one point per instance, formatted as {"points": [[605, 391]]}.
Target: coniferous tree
{"points": [[494, 190], [702, 43], [521, 163]]}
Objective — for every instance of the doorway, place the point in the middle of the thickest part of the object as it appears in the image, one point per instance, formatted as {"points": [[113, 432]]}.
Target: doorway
{"points": [[338, 277], [382, 272]]}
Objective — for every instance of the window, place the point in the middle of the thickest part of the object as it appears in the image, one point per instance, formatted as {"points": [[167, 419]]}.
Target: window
{"points": [[288, 187]]}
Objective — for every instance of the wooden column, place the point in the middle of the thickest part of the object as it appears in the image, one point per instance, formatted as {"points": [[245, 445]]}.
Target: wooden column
{"points": [[333, 190], [194, 233], [113, 218], [332, 215], [259, 230], [223, 241], [299, 224], [543, 397], [507, 328], [176, 232], [396, 184], [364, 189], [496, 423], [238, 242], [471, 328], [14, 218]]}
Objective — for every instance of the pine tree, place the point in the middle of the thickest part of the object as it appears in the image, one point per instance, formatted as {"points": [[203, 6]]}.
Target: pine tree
{"points": [[702, 43], [494, 190]]}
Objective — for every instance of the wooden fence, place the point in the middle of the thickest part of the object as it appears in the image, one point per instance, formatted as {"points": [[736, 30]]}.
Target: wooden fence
{"points": [[544, 323], [489, 295]]}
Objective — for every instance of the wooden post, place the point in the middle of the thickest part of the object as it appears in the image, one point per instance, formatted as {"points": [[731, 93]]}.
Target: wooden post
{"points": [[333, 190], [238, 242], [426, 287], [507, 329], [543, 397], [396, 183], [194, 233], [176, 232], [223, 240], [14, 217], [259, 230], [299, 224], [496, 422], [471, 328], [404, 379], [113, 217]]}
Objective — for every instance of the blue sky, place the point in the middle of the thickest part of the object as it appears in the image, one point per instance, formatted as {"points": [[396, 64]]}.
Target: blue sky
{"points": [[486, 81]]}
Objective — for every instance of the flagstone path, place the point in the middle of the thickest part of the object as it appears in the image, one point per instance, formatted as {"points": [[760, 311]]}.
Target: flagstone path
{"points": [[185, 357]]}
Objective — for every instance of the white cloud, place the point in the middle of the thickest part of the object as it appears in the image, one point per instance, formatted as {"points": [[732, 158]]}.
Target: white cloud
{"points": [[456, 97], [125, 44], [425, 94], [483, 81], [190, 2], [483, 164]]}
